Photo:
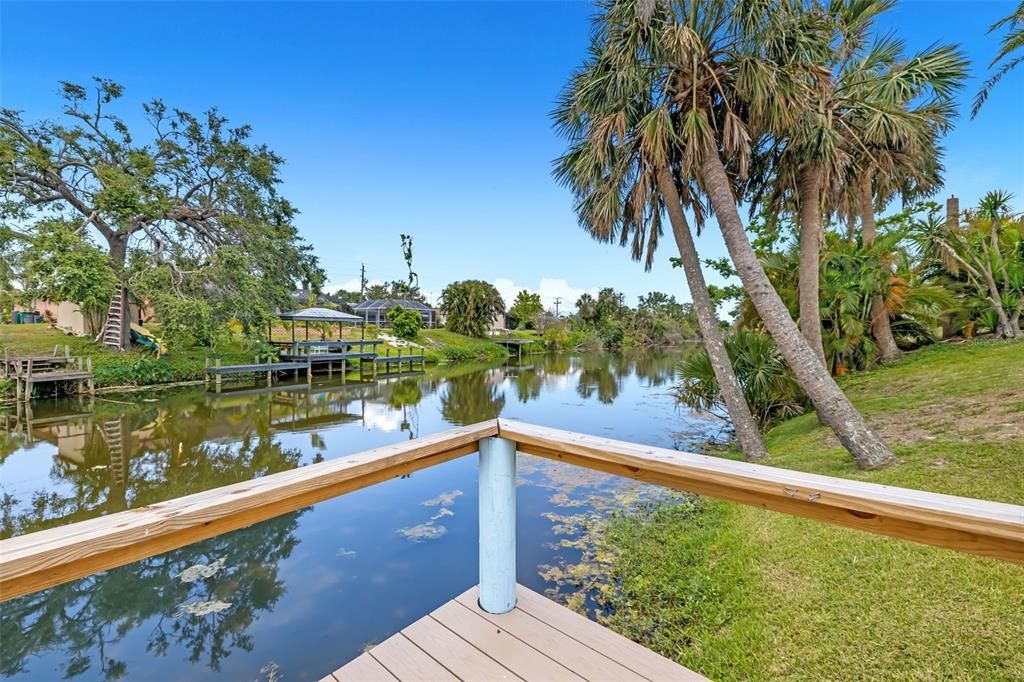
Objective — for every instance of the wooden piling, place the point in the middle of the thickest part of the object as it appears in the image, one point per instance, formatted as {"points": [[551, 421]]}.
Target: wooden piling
{"points": [[218, 377]]}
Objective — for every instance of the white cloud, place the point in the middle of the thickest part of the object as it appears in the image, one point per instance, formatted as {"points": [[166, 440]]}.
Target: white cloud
{"points": [[549, 289], [350, 285]]}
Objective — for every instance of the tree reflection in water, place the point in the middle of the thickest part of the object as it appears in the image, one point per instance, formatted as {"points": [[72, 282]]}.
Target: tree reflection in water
{"points": [[472, 398], [206, 615]]}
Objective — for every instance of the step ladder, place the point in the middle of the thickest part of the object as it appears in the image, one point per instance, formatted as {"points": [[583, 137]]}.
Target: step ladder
{"points": [[114, 334]]}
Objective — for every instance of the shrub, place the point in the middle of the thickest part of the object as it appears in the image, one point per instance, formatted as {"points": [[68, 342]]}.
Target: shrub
{"points": [[767, 382], [405, 323]]}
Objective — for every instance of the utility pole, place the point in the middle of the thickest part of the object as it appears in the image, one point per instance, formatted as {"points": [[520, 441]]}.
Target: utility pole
{"points": [[362, 280], [558, 301]]}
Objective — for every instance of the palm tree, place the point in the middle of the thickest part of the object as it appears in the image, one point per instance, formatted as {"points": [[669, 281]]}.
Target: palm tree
{"points": [[867, 100], [470, 306], [903, 106], [618, 168], [1013, 42], [716, 83]]}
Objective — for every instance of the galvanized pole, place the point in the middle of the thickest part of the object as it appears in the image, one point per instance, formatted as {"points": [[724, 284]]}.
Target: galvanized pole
{"points": [[497, 525]]}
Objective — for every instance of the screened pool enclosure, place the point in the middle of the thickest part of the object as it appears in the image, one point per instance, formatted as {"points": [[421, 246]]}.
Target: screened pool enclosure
{"points": [[376, 311]]}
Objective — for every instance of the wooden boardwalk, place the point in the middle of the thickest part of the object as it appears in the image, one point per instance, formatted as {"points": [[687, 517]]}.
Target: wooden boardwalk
{"points": [[538, 640]]}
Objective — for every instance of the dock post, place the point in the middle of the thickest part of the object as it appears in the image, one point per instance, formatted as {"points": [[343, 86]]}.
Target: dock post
{"points": [[206, 373], [92, 380], [497, 525], [218, 377], [309, 369]]}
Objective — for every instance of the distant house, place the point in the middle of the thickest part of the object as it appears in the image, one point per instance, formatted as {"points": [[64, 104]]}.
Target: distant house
{"points": [[376, 311]]}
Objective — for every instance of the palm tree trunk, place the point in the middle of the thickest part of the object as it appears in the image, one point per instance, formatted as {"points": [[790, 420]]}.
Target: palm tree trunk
{"points": [[747, 432], [810, 258], [887, 349], [868, 450]]}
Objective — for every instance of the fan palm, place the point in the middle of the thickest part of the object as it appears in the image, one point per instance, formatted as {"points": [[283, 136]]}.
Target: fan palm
{"points": [[725, 87], [871, 107], [618, 166]]}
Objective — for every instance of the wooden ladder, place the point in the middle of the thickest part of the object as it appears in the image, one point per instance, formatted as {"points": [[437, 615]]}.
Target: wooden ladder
{"points": [[113, 434], [114, 334]]}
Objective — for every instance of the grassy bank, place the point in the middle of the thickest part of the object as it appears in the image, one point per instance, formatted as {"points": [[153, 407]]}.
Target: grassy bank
{"points": [[742, 594], [140, 367]]}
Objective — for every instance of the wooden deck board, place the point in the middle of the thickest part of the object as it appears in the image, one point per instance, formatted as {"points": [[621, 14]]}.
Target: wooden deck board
{"points": [[538, 640], [406, 661]]}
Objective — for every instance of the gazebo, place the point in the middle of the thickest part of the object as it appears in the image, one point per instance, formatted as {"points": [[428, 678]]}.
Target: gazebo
{"points": [[322, 315], [376, 311]]}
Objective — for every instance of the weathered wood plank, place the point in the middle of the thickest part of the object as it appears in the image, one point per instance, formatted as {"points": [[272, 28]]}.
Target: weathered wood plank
{"points": [[980, 527], [406, 661], [363, 669], [50, 557], [464, 660], [514, 654], [637, 658], [555, 644]]}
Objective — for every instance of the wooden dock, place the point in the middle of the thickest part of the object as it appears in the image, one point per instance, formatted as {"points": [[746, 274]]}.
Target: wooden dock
{"points": [[538, 640], [501, 630], [63, 371], [517, 344]]}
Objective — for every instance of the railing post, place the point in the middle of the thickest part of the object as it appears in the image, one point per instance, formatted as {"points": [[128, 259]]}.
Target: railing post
{"points": [[497, 525]]}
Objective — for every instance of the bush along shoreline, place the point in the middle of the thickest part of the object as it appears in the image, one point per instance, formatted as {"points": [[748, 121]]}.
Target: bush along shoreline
{"points": [[141, 368]]}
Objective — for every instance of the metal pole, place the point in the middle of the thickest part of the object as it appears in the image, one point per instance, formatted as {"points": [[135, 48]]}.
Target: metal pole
{"points": [[497, 525]]}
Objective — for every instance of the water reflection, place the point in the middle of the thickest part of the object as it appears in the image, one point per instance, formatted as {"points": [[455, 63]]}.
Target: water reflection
{"points": [[201, 599], [347, 573]]}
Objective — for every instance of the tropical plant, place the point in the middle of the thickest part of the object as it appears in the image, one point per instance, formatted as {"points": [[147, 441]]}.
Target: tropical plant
{"points": [[987, 249], [710, 68], [405, 323], [619, 166], [768, 384], [870, 107], [64, 265], [471, 306], [1010, 55]]}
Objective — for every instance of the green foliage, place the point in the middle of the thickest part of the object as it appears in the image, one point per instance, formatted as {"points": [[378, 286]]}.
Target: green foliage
{"points": [[187, 322], [737, 593], [63, 265], [556, 338], [194, 198], [768, 385], [471, 306], [405, 323], [982, 256], [526, 309]]}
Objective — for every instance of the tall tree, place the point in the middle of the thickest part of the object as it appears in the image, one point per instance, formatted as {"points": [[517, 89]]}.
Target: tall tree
{"points": [[868, 102], [618, 166], [720, 87], [173, 197]]}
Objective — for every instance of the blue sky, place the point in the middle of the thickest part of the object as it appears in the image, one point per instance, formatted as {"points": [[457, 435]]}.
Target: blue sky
{"points": [[428, 118]]}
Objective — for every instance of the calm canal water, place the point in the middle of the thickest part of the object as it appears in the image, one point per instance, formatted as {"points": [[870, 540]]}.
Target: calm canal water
{"points": [[296, 596]]}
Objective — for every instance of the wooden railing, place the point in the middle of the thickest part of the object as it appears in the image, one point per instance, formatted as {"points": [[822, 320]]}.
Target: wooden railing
{"points": [[39, 560]]}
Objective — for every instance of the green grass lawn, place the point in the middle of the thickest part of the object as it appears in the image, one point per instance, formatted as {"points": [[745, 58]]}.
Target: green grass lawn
{"points": [[739, 593]]}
